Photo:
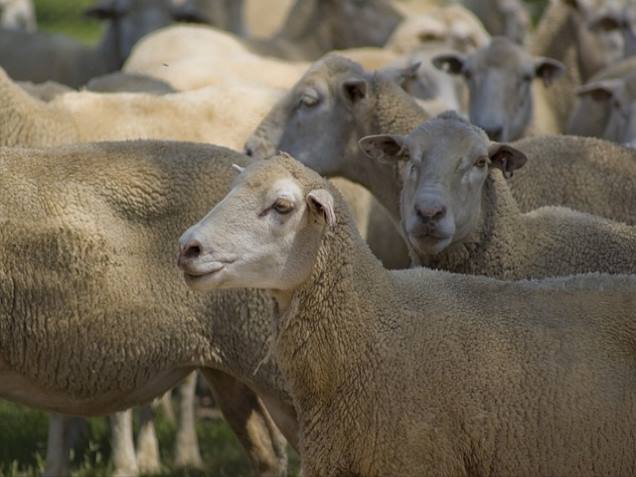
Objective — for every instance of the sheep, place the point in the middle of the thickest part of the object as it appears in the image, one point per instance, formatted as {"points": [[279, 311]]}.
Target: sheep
{"points": [[353, 103], [45, 57], [505, 101], [190, 57], [314, 27], [564, 34], [89, 218], [451, 26], [223, 14], [80, 117], [620, 97], [458, 214], [18, 15], [605, 104], [207, 115], [422, 372], [507, 18]]}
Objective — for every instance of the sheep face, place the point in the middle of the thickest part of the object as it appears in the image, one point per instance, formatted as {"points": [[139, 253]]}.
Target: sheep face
{"points": [[618, 97], [321, 106], [264, 234], [499, 79], [444, 164]]}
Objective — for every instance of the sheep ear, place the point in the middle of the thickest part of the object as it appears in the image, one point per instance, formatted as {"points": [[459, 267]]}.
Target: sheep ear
{"points": [[354, 90], [384, 147], [451, 63], [401, 76], [320, 202], [599, 90], [506, 158], [548, 69], [106, 9]]}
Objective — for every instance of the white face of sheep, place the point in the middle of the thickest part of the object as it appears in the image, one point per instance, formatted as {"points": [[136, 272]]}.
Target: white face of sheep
{"points": [[264, 234], [499, 79], [444, 163], [618, 98]]}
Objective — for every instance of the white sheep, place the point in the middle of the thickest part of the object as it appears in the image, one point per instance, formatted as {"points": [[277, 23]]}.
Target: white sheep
{"points": [[420, 372]]}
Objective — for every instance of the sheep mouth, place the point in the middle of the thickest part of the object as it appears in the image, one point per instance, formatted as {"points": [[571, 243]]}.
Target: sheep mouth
{"points": [[430, 243], [198, 272]]}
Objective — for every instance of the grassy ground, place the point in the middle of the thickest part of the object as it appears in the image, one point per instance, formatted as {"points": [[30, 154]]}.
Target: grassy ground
{"points": [[23, 447], [65, 16]]}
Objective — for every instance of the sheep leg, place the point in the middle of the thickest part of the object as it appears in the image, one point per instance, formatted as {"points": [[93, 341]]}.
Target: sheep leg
{"points": [[251, 423], [123, 448], [57, 450], [187, 445], [148, 460], [165, 403]]}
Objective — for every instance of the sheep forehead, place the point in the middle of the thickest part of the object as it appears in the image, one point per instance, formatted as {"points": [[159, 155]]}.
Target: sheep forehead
{"points": [[501, 53], [334, 65], [282, 169], [450, 136]]}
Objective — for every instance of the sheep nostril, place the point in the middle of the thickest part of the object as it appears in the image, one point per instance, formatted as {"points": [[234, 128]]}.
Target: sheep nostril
{"points": [[192, 250]]}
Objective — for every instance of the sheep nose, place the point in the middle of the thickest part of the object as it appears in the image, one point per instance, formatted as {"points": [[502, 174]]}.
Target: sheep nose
{"points": [[430, 214], [494, 133], [192, 249]]}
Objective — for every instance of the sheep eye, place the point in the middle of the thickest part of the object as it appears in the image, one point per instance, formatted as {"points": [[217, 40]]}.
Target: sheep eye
{"points": [[283, 206], [308, 100], [481, 162]]}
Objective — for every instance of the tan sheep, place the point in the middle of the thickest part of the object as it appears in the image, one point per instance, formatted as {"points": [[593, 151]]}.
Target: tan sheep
{"points": [[87, 234], [458, 214], [210, 115], [564, 34], [421, 372]]}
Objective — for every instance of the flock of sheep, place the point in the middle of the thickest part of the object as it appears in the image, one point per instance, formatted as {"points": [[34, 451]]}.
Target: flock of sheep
{"points": [[458, 298]]}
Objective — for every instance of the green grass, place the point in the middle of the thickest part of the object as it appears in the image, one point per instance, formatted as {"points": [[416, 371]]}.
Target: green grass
{"points": [[23, 447], [65, 16]]}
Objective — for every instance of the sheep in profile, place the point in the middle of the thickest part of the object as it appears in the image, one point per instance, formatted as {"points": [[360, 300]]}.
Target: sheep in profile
{"points": [[421, 372], [504, 98], [458, 214]]}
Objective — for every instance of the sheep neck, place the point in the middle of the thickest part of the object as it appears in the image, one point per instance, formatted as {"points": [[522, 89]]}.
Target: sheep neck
{"points": [[392, 112], [327, 340], [490, 250]]}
